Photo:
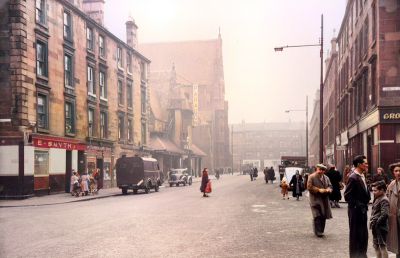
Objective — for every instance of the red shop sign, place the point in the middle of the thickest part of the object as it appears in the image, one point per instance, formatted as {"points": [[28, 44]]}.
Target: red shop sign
{"points": [[58, 144]]}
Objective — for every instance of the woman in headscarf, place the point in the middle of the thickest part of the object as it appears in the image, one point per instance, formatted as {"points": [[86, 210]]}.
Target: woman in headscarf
{"points": [[297, 185], [204, 182]]}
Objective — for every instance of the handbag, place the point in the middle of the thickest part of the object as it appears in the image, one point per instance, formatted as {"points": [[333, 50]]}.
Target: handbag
{"points": [[208, 187]]}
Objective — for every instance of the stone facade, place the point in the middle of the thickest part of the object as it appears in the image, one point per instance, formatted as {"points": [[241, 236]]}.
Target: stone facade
{"points": [[75, 96], [313, 157]]}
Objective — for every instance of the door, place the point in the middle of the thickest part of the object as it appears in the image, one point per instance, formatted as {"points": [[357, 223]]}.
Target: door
{"points": [[99, 164], [68, 170], [41, 171]]}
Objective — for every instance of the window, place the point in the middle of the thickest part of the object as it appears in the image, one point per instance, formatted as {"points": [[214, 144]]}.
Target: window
{"points": [[69, 118], [67, 26], [40, 11], [90, 122], [143, 133], [90, 81], [42, 112], [103, 87], [119, 57], [130, 131], [103, 125], [373, 82], [89, 38], [101, 46], [143, 100], [120, 128], [41, 58], [373, 23], [68, 70], [129, 94], [120, 93], [41, 163], [129, 62], [143, 72]]}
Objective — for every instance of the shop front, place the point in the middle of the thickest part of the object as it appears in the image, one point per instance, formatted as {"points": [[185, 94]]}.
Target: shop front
{"points": [[54, 158], [100, 157]]}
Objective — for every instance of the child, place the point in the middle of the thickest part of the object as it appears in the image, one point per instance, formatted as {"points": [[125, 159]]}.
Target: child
{"points": [[379, 219], [285, 188]]}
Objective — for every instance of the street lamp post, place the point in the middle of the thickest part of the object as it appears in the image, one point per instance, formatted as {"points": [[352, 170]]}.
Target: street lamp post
{"points": [[321, 85], [306, 110]]}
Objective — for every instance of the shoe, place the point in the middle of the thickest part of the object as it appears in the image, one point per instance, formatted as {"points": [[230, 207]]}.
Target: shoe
{"points": [[319, 234]]}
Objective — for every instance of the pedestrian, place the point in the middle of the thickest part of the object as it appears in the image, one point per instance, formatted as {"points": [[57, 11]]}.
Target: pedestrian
{"points": [[380, 176], [393, 191], [319, 187], [379, 219], [84, 183], [346, 174], [204, 182], [271, 174], [281, 173], [297, 185], [266, 175], [284, 189], [335, 178], [250, 170], [255, 173], [357, 196]]}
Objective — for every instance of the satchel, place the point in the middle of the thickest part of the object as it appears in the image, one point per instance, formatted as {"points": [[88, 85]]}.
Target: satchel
{"points": [[208, 187]]}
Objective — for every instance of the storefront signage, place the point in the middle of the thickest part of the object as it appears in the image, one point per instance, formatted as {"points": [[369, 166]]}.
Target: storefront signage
{"points": [[195, 104], [58, 144], [390, 116]]}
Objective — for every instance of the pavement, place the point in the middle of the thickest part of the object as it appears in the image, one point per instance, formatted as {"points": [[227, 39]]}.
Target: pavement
{"points": [[61, 198]]}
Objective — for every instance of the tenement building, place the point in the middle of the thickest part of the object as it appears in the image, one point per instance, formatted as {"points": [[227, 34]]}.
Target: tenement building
{"points": [[74, 96], [368, 83]]}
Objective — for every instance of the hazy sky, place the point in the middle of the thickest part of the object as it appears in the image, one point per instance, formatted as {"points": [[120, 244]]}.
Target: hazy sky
{"points": [[260, 83]]}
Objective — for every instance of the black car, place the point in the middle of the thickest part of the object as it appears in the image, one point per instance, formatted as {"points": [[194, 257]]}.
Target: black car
{"points": [[177, 176]]}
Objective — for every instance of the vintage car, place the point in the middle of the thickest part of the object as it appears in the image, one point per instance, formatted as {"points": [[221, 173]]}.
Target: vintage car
{"points": [[138, 173], [177, 176]]}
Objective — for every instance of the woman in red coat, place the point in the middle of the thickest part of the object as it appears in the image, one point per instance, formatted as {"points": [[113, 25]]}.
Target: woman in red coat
{"points": [[204, 181]]}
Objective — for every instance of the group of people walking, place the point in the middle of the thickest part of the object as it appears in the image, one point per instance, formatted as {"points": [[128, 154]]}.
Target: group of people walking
{"points": [[324, 187], [82, 185]]}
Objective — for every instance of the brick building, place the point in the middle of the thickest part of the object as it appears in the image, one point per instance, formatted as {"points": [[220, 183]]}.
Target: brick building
{"points": [[368, 83], [74, 96]]}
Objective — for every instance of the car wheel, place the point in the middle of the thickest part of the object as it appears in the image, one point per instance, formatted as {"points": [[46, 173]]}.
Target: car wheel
{"points": [[190, 181], [171, 184], [124, 191], [146, 190], [177, 184]]}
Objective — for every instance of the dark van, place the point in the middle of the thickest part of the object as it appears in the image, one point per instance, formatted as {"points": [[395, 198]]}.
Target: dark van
{"points": [[137, 173]]}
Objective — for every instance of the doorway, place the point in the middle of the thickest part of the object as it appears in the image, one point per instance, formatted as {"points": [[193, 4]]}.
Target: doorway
{"points": [[68, 171], [100, 166]]}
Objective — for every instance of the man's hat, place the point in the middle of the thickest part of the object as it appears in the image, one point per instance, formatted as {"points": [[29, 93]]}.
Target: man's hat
{"points": [[321, 166]]}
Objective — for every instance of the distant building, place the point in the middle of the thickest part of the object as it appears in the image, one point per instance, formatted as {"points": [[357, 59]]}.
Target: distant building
{"points": [[265, 143], [196, 67]]}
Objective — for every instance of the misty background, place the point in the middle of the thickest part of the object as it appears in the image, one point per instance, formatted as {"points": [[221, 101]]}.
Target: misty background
{"points": [[260, 84]]}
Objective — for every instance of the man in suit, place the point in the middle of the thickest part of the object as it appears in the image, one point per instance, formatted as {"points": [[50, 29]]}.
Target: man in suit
{"points": [[319, 187], [357, 196]]}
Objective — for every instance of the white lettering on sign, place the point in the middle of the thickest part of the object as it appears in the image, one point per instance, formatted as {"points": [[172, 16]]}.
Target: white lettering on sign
{"points": [[391, 116], [391, 88]]}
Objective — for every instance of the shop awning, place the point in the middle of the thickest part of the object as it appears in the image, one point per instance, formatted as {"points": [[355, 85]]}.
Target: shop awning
{"points": [[159, 144], [197, 151]]}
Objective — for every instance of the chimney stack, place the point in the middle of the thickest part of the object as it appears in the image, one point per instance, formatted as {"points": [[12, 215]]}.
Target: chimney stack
{"points": [[131, 33], [95, 9]]}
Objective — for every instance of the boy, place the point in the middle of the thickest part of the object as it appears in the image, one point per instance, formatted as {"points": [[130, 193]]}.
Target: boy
{"points": [[379, 219]]}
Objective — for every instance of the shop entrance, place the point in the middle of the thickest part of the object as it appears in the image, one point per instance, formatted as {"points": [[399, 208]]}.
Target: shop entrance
{"points": [[68, 170], [100, 166]]}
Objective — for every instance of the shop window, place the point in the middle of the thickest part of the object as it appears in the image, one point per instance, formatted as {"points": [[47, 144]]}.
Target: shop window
{"points": [[106, 170], [41, 163]]}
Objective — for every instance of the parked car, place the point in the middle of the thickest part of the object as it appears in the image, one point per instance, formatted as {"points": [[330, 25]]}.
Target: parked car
{"points": [[177, 176], [138, 173]]}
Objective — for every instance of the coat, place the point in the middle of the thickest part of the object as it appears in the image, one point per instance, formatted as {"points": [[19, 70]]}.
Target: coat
{"points": [[335, 178], [204, 181], [393, 238], [297, 186], [319, 202], [379, 215]]}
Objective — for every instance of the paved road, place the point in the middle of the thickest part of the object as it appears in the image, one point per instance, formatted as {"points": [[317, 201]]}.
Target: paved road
{"points": [[240, 219]]}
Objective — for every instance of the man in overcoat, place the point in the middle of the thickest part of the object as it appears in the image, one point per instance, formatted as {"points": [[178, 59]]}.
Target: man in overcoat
{"points": [[357, 196], [319, 187], [393, 192]]}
